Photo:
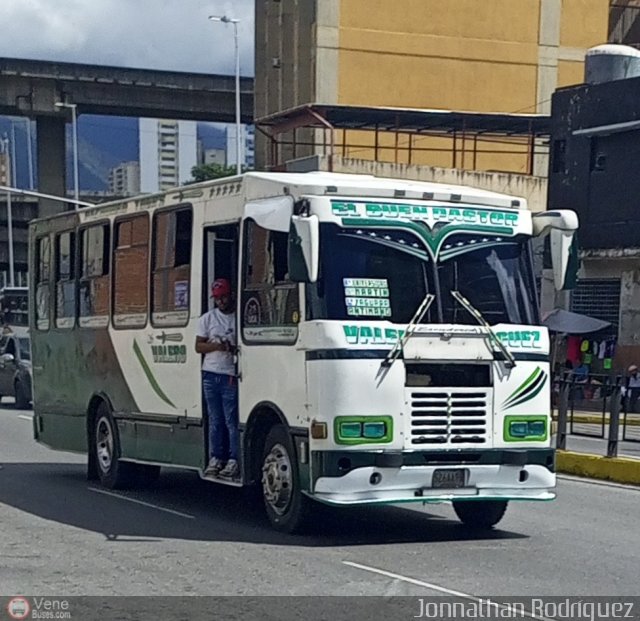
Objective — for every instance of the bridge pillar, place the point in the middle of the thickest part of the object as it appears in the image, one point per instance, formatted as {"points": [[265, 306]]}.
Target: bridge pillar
{"points": [[51, 163]]}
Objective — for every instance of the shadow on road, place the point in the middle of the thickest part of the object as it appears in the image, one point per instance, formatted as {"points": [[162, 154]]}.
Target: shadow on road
{"points": [[60, 493]]}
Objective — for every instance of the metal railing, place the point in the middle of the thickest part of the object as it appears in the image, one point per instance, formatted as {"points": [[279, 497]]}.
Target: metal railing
{"points": [[596, 406]]}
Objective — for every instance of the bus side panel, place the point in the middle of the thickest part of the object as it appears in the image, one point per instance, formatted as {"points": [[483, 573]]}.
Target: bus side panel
{"points": [[69, 368]]}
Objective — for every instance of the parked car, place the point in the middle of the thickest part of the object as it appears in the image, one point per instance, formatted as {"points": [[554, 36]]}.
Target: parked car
{"points": [[15, 367]]}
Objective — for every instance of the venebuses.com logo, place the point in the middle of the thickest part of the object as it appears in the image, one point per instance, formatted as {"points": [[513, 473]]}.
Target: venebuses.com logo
{"points": [[18, 608]]}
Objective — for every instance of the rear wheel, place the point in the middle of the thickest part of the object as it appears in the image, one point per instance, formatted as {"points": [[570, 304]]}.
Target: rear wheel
{"points": [[287, 508], [481, 514], [105, 444]]}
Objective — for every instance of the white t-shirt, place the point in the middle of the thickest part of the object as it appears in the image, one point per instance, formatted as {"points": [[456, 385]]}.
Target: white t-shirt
{"points": [[216, 326]]}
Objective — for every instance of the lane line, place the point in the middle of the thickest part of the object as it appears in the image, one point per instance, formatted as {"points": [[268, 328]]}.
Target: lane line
{"points": [[25, 417], [141, 502], [435, 587]]}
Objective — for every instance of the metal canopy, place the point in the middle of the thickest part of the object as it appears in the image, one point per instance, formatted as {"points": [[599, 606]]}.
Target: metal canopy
{"points": [[407, 120]]}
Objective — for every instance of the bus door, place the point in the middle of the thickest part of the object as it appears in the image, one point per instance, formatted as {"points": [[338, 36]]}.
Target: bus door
{"points": [[220, 260]]}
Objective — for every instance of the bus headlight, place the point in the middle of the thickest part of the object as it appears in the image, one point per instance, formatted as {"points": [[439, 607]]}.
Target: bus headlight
{"points": [[525, 428], [363, 429]]}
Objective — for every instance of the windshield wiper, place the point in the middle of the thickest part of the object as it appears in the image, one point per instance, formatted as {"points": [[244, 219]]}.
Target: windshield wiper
{"points": [[485, 324], [393, 354]]}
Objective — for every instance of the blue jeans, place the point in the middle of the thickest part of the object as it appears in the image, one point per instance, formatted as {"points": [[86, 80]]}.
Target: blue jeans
{"points": [[221, 396]]}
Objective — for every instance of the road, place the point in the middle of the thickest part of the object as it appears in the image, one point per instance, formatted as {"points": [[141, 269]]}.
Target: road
{"points": [[63, 535]]}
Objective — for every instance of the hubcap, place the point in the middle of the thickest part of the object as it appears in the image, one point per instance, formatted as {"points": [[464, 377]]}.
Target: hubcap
{"points": [[277, 482], [104, 444]]}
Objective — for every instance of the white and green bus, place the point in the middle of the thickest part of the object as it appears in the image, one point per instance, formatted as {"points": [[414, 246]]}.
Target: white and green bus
{"points": [[389, 346]]}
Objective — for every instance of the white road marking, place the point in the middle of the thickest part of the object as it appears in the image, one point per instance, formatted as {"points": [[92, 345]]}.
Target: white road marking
{"points": [[435, 587], [25, 417], [141, 502]]}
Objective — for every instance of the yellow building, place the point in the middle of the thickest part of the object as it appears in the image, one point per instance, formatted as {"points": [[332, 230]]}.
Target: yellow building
{"points": [[468, 55]]}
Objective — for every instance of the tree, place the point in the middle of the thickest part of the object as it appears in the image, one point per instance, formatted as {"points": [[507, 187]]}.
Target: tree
{"points": [[205, 172]]}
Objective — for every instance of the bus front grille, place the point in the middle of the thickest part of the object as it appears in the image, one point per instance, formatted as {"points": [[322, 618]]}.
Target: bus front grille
{"points": [[455, 417]]}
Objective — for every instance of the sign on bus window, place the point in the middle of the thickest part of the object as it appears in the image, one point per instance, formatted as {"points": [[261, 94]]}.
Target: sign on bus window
{"points": [[131, 273], [94, 277], [172, 240]]}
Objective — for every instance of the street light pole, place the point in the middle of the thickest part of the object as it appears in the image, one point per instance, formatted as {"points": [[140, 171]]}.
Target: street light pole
{"points": [[234, 21], [74, 133]]}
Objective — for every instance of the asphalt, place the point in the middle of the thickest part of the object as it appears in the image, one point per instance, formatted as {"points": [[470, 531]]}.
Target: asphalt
{"points": [[63, 535]]}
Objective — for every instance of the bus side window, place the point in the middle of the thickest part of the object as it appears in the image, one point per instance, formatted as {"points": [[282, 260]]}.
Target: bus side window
{"points": [[131, 272], [94, 277], [270, 301], [65, 280], [43, 293], [170, 285]]}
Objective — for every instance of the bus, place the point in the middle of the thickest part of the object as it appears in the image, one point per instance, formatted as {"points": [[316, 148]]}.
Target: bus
{"points": [[389, 342]]}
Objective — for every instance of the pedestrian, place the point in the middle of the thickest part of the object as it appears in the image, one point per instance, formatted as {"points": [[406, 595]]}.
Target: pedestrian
{"points": [[216, 339], [634, 388]]}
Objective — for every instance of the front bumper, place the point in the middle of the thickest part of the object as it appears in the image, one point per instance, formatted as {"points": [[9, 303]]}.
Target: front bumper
{"points": [[394, 483]]}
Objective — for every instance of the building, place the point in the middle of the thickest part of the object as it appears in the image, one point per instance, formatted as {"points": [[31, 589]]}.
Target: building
{"points": [[215, 156], [5, 168], [593, 170], [492, 56], [124, 179], [168, 153], [248, 146]]}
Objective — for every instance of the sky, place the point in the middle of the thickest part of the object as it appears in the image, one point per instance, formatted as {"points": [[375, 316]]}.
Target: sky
{"points": [[172, 35]]}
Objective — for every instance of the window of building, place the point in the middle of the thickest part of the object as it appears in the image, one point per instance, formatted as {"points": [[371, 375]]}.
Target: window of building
{"points": [[559, 156], [131, 272], [43, 293], [94, 277], [270, 301], [172, 237], [600, 299], [598, 156], [65, 280]]}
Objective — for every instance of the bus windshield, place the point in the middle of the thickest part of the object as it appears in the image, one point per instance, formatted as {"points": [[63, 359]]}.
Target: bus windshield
{"points": [[384, 274]]}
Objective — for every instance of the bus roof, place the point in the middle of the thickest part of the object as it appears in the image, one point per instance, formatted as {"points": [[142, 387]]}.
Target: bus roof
{"points": [[256, 185]]}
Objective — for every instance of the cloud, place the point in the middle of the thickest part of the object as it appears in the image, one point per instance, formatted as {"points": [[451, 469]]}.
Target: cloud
{"points": [[151, 34]]}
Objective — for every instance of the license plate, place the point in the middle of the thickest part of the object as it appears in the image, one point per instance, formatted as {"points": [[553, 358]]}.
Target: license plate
{"points": [[449, 478]]}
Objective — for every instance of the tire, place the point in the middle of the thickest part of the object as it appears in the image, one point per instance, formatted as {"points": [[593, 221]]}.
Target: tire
{"points": [[105, 444], [22, 398], [287, 508], [480, 514]]}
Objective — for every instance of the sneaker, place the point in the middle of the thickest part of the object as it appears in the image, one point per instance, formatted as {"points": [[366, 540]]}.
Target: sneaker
{"points": [[214, 467], [230, 470]]}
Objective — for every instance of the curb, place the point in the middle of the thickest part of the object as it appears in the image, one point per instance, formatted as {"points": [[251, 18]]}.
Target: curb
{"points": [[618, 469]]}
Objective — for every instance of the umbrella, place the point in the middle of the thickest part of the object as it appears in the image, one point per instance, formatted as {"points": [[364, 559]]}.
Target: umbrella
{"points": [[559, 320]]}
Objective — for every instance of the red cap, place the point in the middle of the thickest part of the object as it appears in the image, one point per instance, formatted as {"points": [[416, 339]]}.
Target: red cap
{"points": [[220, 287]]}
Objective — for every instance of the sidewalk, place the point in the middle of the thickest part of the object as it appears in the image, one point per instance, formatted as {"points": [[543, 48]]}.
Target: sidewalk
{"points": [[586, 457]]}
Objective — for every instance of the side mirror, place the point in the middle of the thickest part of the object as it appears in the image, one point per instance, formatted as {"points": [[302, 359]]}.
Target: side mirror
{"points": [[8, 358], [564, 259], [304, 248], [561, 225]]}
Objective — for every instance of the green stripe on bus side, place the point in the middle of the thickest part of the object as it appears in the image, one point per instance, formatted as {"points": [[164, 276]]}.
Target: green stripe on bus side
{"points": [[149, 374]]}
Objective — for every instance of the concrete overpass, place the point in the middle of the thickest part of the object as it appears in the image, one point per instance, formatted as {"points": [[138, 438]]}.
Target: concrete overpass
{"points": [[30, 88]]}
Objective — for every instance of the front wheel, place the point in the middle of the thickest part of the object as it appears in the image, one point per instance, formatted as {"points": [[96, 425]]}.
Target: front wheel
{"points": [[481, 514], [287, 508]]}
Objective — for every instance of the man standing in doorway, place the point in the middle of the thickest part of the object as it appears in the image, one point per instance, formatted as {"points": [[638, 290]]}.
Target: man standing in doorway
{"points": [[216, 339]]}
